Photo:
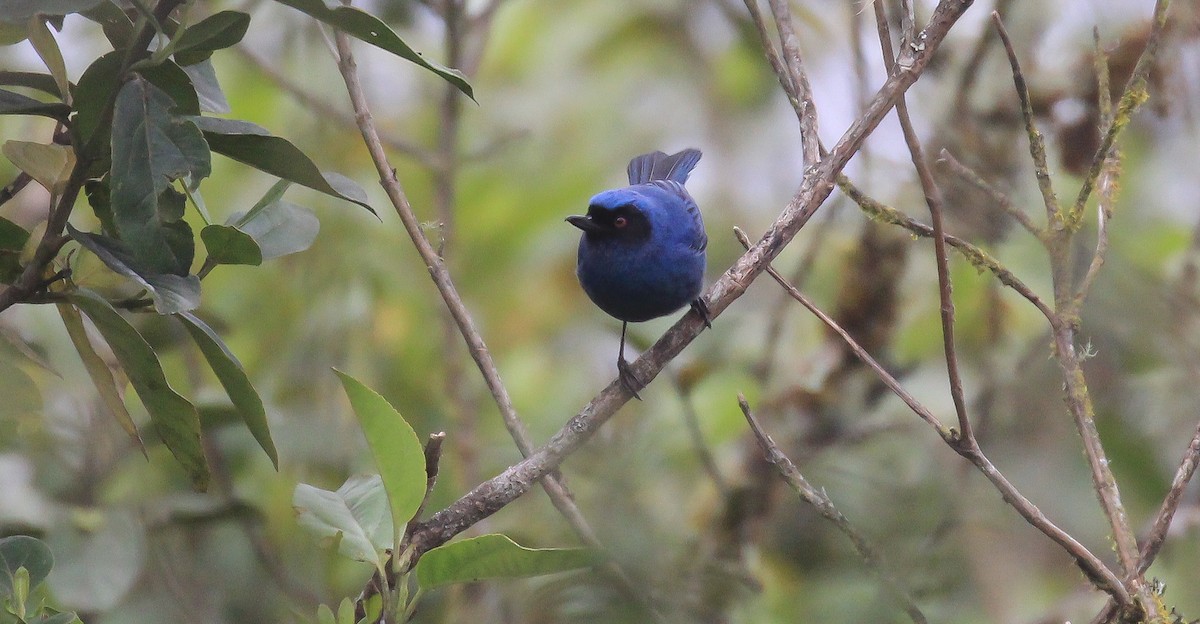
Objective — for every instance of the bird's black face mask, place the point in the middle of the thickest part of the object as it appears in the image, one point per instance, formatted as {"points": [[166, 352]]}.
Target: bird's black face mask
{"points": [[626, 224]]}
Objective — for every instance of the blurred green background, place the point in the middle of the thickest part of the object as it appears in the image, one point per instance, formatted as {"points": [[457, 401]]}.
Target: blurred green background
{"points": [[567, 92]]}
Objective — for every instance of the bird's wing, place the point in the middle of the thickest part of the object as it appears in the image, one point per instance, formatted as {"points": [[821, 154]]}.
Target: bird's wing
{"points": [[697, 239], [660, 166]]}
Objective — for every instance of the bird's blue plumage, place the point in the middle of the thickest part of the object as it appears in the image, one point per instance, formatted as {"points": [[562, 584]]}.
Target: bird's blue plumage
{"points": [[641, 255]]}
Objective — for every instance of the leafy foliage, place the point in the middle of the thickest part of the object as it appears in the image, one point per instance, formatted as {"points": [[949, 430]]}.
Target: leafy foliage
{"points": [[141, 149]]}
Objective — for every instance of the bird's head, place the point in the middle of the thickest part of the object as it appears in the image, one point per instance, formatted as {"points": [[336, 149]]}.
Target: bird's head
{"points": [[614, 215]]}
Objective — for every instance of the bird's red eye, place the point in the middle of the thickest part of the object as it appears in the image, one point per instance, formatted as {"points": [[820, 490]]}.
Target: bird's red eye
{"points": [[620, 222]]}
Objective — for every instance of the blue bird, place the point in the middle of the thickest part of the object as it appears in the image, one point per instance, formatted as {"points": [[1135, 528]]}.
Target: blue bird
{"points": [[641, 255]]}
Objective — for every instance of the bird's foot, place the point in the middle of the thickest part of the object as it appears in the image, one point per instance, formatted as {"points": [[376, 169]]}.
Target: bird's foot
{"points": [[628, 379], [701, 308]]}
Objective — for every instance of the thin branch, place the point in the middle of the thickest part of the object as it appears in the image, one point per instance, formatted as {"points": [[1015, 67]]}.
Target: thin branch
{"points": [[493, 494], [933, 199], [1002, 200], [825, 507], [1037, 144], [908, 33], [968, 448], [976, 256], [1132, 97], [1109, 181], [433, 460], [771, 343], [1109, 174], [1162, 521], [884, 376], [12, 188], [802, 97]]}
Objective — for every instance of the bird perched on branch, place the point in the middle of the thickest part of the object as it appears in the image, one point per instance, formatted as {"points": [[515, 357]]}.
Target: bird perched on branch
{"points": [[641, 255]]}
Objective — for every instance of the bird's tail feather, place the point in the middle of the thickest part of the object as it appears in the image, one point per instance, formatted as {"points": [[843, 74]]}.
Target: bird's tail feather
{"points": [[660, 166]]}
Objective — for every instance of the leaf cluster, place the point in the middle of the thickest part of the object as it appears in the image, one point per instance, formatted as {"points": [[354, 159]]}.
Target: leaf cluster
{"points": [[136, 135]]}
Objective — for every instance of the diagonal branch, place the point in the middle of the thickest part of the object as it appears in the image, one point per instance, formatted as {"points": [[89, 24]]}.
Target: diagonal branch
{"points": [[933, 198], [801, 95], [1037, 143], [824, 506], [1162, 521], [493, 494]]}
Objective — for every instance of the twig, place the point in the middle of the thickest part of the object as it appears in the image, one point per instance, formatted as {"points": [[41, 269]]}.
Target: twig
{"points": [[884, 376], [493, 494], [825, 507], [12, 188], [433, 460], [1162, 521], [1096, 571], [1132, 97], [1003, 201], [1037, 144], [1109, 180], [1068, 303], [933, 198], [977, 257], [801, 96], [766, 364]]}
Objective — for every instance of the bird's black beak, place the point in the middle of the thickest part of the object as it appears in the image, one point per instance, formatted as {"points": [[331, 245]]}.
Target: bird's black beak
{"points": [[585, 223]]}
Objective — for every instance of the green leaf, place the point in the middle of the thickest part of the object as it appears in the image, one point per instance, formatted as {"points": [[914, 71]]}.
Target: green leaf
{"points": [[273, 194], [57, 618], [98, 194], [346, 612], [397, 451], [370, 29], [173, 416], [31, 80], [22, 551], [91, 95], [346, 516], [102, 553], [496, 556], [21, 395], [215, 32], [16, 104], [233, 378], [176, 83], [151, 148], [117, 27], [99, 372], [171, 293], [325, 615], [208, 89], [228, 245], [21, 10], [47, 48], [252, 145], [49, 165], [12, 236], [281, 228]]}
